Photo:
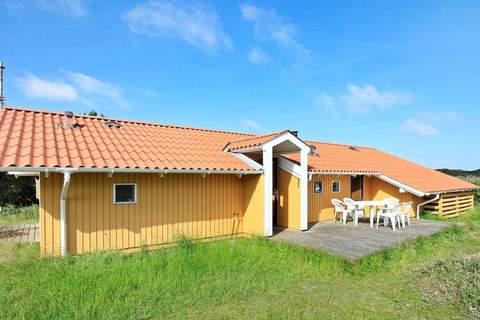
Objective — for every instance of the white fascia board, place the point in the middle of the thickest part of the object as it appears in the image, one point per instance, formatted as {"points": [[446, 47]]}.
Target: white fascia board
{"points": [[401, 185], [287, 136], [290, 167], [248, 149], [252, 163], [275, 141], [126, 170], [453, 190], [350, 173], [23, 173]]}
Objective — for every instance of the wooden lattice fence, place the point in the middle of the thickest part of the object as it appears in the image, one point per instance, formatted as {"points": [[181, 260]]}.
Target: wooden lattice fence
{"points": [[451, 204]]}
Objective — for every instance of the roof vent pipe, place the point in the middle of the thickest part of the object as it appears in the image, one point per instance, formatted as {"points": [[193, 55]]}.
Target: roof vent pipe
{"points": [[2, 98]]}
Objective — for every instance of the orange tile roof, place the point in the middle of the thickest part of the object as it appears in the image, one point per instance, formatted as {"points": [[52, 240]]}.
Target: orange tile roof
{"points": [[337, 158], [34, 138], [251, 142]]}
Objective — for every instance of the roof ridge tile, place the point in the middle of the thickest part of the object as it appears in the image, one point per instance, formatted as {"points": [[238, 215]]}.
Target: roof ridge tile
{"points": [[58, 113]]}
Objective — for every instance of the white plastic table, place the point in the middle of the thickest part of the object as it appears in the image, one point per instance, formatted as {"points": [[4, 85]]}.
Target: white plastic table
{"points": [[373, 204]]}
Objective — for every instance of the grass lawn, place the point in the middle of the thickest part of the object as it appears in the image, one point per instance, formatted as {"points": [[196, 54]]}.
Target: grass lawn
{"points": [[10, 215], [248, 278]]}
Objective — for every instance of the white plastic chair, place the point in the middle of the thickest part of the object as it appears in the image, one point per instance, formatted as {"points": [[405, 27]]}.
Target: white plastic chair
{"points": [[357, 210], [404, 213], [339, 207], [389, 214], [388, 203]]}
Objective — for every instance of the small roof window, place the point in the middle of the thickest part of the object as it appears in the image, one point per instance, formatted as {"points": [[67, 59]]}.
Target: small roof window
{"points": [[112, 124]]}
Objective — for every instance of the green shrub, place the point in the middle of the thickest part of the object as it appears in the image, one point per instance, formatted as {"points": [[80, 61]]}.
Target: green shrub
{"points": [[17, 191], [185, 243], [475, 180]]}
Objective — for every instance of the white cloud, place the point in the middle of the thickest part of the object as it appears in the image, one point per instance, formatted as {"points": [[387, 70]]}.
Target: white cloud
{"points": [[257, 56], [193, 23], [71, 7], [35, 87], [91, 85], [269, 26], [74, 86], [358, 100], [440, 116], [419, 128], [74, 8], [324, 101], [362, 100], [250, 12], [252, 125]]}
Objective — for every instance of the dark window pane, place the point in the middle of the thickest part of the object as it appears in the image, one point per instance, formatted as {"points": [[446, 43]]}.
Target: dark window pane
{"points": [[125, 193], [336, 186]]}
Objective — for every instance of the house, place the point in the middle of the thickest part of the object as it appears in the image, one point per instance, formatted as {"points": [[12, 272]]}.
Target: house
{"points": [[117, 184]]}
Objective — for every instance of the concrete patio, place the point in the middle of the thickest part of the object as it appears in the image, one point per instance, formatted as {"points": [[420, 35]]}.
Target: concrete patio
{"points": [[354, 242]]}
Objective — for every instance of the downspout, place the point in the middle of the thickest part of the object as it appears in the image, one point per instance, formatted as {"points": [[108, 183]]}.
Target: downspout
{"points": [[437, 196], [63, 212]]}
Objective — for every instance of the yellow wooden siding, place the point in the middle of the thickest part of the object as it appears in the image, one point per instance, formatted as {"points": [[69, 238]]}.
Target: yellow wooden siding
{"points": [[319, 204], [320, 207], [253, 204], [380, 190], [50, 214], [177, 204], [288, 205]]}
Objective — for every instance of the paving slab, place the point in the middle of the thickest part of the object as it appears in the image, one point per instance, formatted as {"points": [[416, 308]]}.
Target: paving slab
{"points": [[356, 241]]}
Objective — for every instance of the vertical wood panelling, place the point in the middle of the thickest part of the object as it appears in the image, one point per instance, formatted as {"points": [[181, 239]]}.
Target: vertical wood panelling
{"points": [[320, 207], [42, 214], [50, 214], [57, 186], [252, 220], [288, 204], [166, 207], [380, 190], [319, 204]]}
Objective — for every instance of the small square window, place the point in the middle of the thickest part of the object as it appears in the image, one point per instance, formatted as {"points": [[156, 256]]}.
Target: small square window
{"points": [[335, 186], [124, 193], [317, 187]]}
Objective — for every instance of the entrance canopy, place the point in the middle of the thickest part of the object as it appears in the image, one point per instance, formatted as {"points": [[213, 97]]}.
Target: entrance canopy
{"points": [[265, 148]]}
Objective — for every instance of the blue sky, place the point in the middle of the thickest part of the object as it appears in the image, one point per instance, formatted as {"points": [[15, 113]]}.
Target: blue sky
{"points": [[400, 76]]}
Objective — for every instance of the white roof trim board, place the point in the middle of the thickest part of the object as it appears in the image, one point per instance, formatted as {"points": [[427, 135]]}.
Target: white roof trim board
{"points": [[127, 170], [402, 186], [252, 163], [290, 167]]}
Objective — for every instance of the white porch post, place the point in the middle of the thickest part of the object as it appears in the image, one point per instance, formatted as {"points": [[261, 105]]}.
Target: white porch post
{"points": [[268, 189], [304, 189]]}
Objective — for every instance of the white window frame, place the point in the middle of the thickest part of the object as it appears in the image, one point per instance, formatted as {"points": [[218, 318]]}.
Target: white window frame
{"points": [[124, 184], [339, 186], [319, 181]]}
